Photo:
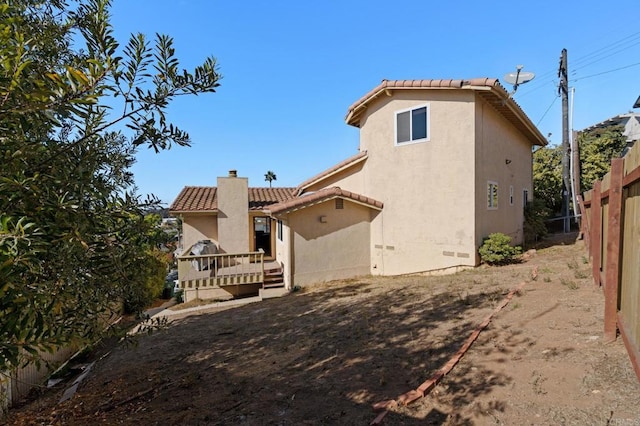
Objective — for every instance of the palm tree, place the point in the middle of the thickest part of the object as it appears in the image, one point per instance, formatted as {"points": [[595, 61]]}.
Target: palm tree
{"points": [[270, 176]]}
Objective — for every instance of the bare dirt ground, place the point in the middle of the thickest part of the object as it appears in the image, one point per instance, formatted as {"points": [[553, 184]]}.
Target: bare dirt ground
{"points": [[325, 354]]}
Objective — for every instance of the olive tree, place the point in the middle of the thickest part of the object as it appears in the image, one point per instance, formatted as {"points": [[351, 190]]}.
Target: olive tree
{"points": [[74, 243]]}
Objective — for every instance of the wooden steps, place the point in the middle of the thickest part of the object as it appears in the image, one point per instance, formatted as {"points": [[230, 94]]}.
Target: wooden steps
{"points": [[273, 278]]}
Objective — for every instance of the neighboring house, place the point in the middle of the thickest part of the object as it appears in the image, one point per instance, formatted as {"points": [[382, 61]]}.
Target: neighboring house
{"points": [[441, 165], [630, 123]]}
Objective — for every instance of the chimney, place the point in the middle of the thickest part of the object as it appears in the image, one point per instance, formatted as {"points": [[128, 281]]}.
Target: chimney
{"points": [[233, 213]]}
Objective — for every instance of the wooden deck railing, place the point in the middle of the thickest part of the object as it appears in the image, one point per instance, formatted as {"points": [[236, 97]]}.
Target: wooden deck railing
{"points": [[220, 270], [611, 227]]}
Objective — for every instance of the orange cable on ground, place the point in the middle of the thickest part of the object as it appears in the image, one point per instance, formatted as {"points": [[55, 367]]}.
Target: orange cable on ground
{"points": [[426, 387]]}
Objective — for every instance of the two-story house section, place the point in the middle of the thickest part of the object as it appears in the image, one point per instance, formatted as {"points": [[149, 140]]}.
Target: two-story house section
{"points": [[441, 164], [450, 160]]}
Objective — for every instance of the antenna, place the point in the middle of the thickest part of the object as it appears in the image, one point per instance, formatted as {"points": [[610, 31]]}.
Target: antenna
{"points": [[517, 78]]}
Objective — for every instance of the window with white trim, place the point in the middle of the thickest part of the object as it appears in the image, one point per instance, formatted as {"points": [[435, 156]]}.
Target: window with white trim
{"points": [[279, 230], [492, 195], [412, 125]]}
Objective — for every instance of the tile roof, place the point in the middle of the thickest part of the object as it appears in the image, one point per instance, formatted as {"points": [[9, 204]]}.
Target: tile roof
{"points": [[204, 198], [335, 169], [489, 89], [322, 196], [196, 198], [262, 197]]}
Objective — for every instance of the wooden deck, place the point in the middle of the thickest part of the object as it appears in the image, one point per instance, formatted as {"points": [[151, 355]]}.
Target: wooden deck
{"points": [[223, 270]]}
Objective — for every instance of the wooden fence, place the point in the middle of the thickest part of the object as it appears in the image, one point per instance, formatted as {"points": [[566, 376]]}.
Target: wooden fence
{"points": [[15, 385], [611, 228]]}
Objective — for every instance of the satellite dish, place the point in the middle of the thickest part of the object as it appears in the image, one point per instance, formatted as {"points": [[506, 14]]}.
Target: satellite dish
{"points": [[519, 77]]}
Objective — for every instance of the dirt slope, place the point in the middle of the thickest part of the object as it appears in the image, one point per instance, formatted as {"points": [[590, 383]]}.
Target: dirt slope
{"points": [[326, 354]]}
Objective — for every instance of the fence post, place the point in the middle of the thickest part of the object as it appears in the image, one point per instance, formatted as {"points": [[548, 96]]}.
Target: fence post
{"points": [[614, 241], [596, 233], [584, 224]]}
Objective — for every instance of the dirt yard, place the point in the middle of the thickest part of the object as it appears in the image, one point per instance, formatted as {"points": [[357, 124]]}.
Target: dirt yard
{"points": [[325, 354]]}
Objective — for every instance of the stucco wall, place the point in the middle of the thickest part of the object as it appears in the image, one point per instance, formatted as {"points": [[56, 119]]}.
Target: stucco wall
{"points": [[283, 254], [503, 156], [198, 226], [334, 249], [427, 188]]}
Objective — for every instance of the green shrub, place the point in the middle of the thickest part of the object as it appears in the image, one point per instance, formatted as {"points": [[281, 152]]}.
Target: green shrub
{"points": [[535, 215], [179, 295], [496, 249], [153, 266]]}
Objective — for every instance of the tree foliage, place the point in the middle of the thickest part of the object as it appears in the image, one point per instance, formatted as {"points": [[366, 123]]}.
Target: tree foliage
{"points": [[270, 177], [74, 242], [597, 148], [547, 177], [536, 214]]}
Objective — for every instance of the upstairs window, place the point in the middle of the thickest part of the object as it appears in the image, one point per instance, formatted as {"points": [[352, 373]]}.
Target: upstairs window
{"points": [[412, 125]]}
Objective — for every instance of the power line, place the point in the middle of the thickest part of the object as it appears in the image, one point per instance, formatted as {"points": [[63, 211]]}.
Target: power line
{"points": [[606, 72], [594, 53], [545, 113], [542, 83], [607, 56]]}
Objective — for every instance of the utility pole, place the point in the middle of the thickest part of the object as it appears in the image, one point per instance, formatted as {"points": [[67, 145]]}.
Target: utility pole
{"points": [[575, 152], [563, 89]]}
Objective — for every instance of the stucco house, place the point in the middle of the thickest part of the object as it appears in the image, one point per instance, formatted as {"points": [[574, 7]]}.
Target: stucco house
{"points": [[441, 164]]}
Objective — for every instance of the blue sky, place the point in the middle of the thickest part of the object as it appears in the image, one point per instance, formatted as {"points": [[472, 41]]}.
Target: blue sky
{"points": [[292, 68]]}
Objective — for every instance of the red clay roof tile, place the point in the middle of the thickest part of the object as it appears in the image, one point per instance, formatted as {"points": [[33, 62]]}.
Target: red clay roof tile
{"points": [[321, 196], [204, 198], [262, 197]]}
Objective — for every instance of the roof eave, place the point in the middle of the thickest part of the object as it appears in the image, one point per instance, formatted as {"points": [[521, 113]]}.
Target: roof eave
{"points": [[354, 114], [481, 85], [173, 212], [321, 201], [322, 197], [499, 92], [305, 185]]}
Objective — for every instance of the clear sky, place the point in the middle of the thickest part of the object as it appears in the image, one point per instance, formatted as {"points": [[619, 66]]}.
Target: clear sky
{"points": [[292, 68]]}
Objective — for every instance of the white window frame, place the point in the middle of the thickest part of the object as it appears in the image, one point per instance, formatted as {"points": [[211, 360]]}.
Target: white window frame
{"points": [[279, 230], [395, 125], [492, 204]]}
